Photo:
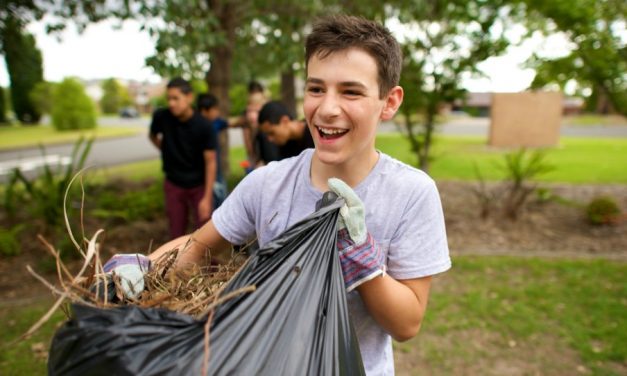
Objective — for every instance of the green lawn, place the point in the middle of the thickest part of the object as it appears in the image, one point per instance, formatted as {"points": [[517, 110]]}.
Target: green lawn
{"points": [[23, 136], [516, 309], [576, 160], [521, 307], [592, 120]]}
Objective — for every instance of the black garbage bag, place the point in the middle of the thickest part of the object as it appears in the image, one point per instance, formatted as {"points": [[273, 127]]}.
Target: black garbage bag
{"points": [[295, 323]]}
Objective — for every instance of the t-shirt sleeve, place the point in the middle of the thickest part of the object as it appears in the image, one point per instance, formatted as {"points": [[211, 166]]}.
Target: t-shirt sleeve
{"points": [[211, 137], [235, 219], [419, 247], [220, 124]]}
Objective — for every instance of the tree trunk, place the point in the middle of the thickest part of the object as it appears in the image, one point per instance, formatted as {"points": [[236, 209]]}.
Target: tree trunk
{"points": [[219, 76], [428, 137], [288, 90]]}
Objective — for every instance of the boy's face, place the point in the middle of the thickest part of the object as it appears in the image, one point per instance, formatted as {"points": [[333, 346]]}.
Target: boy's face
{"points": [[210, 113], [278, 134], [179, 103], [342, 105]]}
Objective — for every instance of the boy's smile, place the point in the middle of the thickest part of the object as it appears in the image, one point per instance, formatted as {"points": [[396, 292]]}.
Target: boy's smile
{"points": [[343, 107]]}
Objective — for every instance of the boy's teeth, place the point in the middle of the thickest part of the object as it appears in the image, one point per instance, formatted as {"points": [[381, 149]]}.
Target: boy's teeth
{"points": [[331, 131]]}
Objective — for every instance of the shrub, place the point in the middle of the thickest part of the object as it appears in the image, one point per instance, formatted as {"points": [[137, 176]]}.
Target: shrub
{"points": [[602, 211], [44, 193], [72, 108], [144, 204], [114, 96], [521, 167], [9, 244]]}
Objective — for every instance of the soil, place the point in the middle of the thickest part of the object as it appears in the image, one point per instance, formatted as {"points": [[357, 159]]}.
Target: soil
{"points": [[545, 228]]}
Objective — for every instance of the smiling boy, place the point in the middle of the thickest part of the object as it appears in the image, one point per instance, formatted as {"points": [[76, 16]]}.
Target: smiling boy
{"points": [[394, 238]]}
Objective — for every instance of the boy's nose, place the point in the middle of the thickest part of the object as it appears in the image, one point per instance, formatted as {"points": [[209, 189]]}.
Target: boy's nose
{"points": [[329, 106]]}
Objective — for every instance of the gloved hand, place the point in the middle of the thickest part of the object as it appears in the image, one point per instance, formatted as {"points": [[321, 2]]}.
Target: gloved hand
{"points": [[130, 268], [361, 257]]}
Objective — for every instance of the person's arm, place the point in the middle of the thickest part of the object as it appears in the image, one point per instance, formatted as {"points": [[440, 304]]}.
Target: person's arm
{"points": [[155, 133], [156, 140], [196, 248], [206, 203], [397, 305], [249, 144]]}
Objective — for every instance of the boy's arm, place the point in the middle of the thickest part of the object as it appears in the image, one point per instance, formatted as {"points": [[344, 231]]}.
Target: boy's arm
{"points": [[205, 242], [397, 305], [206, 203]]}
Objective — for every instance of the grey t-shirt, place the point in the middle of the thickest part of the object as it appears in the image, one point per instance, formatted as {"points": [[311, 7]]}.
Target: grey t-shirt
{"points": [[403, 214]]}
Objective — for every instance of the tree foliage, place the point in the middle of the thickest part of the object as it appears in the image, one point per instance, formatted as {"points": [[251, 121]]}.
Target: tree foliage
{"points": [[597, 62], [114, 96], [25, 67], [72, 109], [443, 41]]}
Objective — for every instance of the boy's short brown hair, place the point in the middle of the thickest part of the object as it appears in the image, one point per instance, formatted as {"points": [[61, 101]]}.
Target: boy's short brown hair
{"points": [[341, 32]]}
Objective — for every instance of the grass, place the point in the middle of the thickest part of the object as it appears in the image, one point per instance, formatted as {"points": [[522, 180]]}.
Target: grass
{"points": [[525, 302], [25, 136], [19, 358], [152, 168], [576, 160], [592, 120], [511, 300]]}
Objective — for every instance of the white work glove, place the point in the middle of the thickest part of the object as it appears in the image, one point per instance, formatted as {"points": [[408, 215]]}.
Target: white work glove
{"points": [[361, 257], [130, 268]]}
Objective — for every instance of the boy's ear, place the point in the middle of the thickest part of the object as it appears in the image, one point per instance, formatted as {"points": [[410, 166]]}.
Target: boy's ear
{"points": [[392, 103]]}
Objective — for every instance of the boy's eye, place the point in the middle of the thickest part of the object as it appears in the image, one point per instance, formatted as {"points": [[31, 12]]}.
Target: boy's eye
{"points": [[314, 89], [352, 93]]}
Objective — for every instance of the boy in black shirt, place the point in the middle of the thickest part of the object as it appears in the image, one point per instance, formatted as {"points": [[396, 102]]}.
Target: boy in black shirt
{"points": [[278, 124], [188, 153], [207, 105]]}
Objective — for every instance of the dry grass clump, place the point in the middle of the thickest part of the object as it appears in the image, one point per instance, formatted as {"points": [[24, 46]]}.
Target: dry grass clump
{"points": [[191, 290], [194, 290]]}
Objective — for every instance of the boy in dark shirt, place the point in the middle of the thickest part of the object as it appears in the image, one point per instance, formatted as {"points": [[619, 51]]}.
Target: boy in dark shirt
{"points": [[207, 105], [278, 124], [188, 152]]}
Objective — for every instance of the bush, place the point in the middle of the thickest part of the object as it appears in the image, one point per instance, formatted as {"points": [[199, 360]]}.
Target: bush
{"points": [[521, 168], [72, 108], [9, 244], [42, 97], [114, 96], [43, 194], [141, 204], [602, 211]]}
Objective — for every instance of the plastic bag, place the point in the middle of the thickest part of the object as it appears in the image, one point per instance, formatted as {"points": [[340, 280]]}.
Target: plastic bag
{"points": [[295, 323]]}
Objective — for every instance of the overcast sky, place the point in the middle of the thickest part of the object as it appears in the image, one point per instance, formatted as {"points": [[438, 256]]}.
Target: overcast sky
{"points": [[103, 52]]}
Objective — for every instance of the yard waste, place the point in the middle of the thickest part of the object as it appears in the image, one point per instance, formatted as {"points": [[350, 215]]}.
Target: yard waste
{"points": [[283, 313]]}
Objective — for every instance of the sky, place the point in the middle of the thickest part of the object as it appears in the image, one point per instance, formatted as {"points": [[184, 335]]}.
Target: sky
{"points": [[102, 51]]}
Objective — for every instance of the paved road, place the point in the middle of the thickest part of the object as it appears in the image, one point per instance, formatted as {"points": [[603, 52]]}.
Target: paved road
{"points": [[110, 152]]}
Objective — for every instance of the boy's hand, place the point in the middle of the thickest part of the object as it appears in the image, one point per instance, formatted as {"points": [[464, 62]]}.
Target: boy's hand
{"points": [[360, 256], [130, 268]]}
